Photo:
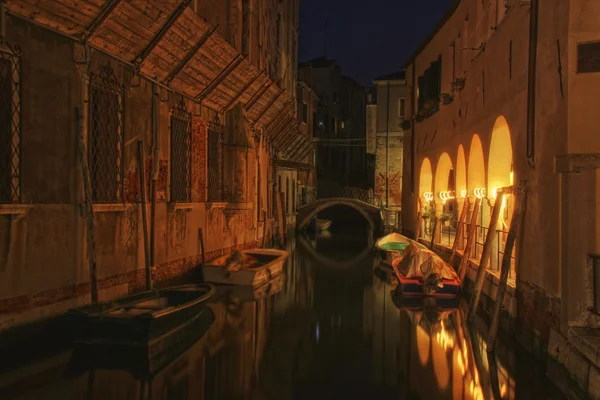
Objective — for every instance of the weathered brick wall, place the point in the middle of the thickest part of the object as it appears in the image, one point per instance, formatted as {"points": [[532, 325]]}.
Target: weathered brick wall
{"points": [[199, 135], [131, 182]]}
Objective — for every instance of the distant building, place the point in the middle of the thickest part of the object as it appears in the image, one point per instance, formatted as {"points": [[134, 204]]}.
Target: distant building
{"points": [[340, 126], [390, 93]]}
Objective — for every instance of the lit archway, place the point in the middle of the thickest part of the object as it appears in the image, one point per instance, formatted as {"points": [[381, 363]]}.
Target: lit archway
{"points": [[476, 169], [444, 178], [500, 174], [500, 160], [425, 179]]}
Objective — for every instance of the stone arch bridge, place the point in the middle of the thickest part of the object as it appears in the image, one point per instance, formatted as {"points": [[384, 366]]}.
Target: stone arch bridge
{"points": [[363, 201]]}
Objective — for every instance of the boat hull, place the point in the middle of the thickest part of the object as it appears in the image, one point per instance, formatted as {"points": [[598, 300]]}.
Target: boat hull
{"points": [[95, 321], [215, 271], [141, 359], [413, 287]]}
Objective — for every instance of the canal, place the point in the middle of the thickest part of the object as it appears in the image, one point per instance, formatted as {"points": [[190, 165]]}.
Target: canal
{"points": [[330, 328]]}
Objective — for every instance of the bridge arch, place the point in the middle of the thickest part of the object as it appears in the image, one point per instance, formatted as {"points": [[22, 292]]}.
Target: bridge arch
{"points": [[308, 213]]}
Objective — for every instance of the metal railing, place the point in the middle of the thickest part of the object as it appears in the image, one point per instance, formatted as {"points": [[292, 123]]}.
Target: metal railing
{"points": [[448, 233]]}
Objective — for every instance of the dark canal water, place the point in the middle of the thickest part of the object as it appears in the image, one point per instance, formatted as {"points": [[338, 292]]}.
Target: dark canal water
{"points": [[329, 329]]}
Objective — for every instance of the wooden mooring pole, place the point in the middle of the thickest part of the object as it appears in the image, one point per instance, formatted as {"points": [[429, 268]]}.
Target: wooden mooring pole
{"points": [[434, 232], [492, 233], [140, 146], [464, 262], [89, 209], [201, 240], [459, 230], [515, 224]]}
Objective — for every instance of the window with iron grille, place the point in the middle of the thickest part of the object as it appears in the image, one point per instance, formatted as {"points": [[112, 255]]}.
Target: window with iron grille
{"points": [[10, 127], [181, 154], [215, 162], [106, 136]]}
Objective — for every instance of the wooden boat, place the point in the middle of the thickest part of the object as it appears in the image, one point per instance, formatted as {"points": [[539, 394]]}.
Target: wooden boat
{"points": [[419, 303], [252, 293], [141, 317], [322, 224], [392, 247], [411, 281], [249, 267], [142, 359]]}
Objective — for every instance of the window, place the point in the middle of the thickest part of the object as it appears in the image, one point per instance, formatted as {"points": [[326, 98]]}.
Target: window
{"points": [[215, 161], [10, 128], [181, 154], [401, 106], [304, 112], [106, 136]]}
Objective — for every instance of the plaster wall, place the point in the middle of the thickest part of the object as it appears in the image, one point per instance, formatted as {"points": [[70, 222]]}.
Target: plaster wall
{"points": [[495, 90], [43, 244]]}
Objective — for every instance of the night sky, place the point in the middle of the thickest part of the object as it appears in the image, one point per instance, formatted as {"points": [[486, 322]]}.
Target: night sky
{"points": [[368, 38]]}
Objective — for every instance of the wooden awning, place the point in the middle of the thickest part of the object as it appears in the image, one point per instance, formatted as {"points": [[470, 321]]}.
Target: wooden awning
{"points": [[168, 43]]}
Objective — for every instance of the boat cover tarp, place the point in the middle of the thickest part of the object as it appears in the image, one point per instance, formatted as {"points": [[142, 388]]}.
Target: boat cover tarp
{"points": [[420, 262]]}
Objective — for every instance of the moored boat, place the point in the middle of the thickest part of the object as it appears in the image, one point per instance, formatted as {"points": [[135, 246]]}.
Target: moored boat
{"points": [[392, 247], [420, 271], [322, 224], [248, 267], [141, 317], [142, 359], [252, 293]]}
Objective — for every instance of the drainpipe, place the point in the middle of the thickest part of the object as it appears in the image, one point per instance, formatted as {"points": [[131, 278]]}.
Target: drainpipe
{"points": [[531, 81], [155, 166], [387, 149]]}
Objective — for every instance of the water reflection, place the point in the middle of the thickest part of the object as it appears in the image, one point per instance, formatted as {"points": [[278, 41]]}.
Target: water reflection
{"points": [[315, 332]]}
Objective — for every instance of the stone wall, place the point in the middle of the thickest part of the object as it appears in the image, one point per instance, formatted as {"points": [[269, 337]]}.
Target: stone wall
{"points": [[394, 169]]}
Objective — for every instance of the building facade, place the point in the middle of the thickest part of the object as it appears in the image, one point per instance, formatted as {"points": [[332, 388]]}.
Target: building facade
{"points": [[391, 104], [499, 96], [131, 149], [341, 126]]}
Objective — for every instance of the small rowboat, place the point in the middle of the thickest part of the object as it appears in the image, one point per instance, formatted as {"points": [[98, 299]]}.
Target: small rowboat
{"points": [[143, 360], [249, 267], [322, 224], [245, 293], [420, 271], [141, 317], [392, 247]]}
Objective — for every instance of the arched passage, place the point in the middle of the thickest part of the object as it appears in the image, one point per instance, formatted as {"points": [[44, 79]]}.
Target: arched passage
{"points": [[500, 160], [369, 212], [476, 169], [445, 186], [425, 179], [500, 174]]}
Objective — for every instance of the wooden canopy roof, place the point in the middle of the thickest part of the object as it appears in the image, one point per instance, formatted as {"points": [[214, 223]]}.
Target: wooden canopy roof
{"points": [[170, 44]]}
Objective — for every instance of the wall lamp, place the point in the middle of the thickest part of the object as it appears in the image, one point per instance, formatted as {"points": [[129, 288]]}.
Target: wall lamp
{"points": [[480, 193], [428, 196], [446, 195]]}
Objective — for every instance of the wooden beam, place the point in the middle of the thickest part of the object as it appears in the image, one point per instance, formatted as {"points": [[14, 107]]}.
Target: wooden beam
{"points": [[284, 109], [258, 95], [434, 232], [283, 129], [485, 255], [515, 224], [464, 262], [291, 137], [307, 151], [241, 92], [284, 119], [263, 112], [222, 75], [99, 20], [191, 54], [300, 148], [459, 230], [163, 31], [293, 146]]}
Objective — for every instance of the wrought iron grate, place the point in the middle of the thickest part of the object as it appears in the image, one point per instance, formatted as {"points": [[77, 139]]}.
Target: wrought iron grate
{"points": [[106, 136], [181, 154], [215, 161], [10, 126]]}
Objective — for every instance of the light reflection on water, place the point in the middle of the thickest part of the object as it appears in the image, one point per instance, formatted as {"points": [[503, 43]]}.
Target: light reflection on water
{"points": [[330, 329]]}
